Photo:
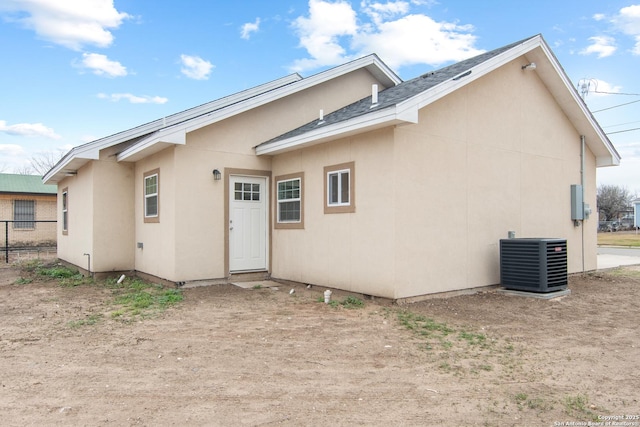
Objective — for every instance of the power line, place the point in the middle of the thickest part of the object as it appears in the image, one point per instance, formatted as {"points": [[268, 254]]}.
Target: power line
{"points": [[616, 93], [616, 106], [620, 124], [621, 131]]}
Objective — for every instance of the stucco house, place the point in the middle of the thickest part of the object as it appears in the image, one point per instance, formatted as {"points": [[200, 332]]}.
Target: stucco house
{"points": [[350, 178]]}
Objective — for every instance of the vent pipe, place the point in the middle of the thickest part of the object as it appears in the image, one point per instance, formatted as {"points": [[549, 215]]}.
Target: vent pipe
{"points": [[321, 117], [374, 95]]}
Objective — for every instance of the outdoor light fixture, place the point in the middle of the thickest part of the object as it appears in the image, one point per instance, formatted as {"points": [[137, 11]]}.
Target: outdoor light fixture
{"points": [[217, 175], [531, 66]]}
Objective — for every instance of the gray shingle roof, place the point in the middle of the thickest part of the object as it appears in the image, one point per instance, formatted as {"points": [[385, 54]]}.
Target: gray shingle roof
{"points": [[399, 93], [26, 184]]}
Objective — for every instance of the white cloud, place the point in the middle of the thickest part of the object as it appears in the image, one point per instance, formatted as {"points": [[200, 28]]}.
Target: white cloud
{"points": [[418, 39], [28, 130], [195, 67], [12, 150], [70, 23], [628, 20], [320, 32], [133, 99], [103, 66], [333, 32], [249, 28], [381, 11], [603, 46], [12, 158]]}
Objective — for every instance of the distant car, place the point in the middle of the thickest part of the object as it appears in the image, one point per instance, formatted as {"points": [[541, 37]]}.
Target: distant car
{"points": [[604, 226]]}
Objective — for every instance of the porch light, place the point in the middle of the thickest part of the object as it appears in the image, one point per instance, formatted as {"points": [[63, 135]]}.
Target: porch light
{"points": [[217, 175]]}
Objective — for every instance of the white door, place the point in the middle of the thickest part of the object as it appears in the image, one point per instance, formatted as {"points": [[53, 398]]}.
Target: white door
{"points": [[247, 223]]}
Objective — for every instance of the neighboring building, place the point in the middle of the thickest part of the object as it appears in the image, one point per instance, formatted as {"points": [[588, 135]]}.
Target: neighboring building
{"points": [[24, 199], [636, 213], [398, 193]]}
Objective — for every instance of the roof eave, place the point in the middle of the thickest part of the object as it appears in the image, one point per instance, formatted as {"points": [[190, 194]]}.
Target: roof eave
{"points": [[156, 142], [534, 48], [573, 105], [70, 163], [367, 122]]}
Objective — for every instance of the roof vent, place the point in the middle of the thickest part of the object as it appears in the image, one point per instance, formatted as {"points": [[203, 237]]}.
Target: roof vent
{"points": [[374, 96], [459, 76], [321, 117]]}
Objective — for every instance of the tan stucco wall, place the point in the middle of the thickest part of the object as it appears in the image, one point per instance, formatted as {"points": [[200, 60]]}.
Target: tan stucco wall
{"points": [[113, 227], [157, 256], [189, 242], [100, 212], [79, 239], [434, 199], [351, 251], [507, 166]]}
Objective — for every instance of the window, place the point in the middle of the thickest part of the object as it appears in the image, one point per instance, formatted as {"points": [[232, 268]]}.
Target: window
{"points": [[24, 213], [246, 191], [338, 182], [65, 211], [339, 188], [151, 196], [289, 199]]}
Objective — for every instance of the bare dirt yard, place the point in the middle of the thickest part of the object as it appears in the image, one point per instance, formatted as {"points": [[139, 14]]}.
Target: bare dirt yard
{"points": [[76, 353]]}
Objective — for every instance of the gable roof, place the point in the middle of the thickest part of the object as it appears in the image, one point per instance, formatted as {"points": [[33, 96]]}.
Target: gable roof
{"points": [[401, 103], [25, 184], [149, 138]]}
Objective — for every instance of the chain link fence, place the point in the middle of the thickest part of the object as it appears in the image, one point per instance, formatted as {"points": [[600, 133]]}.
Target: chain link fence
{"points": [[25, 240]]}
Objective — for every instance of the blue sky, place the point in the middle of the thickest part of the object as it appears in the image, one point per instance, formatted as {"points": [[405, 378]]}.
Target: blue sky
{"points": [[76, 70]]}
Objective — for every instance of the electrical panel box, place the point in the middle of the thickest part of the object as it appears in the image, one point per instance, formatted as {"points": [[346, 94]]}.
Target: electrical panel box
{"points": [[577, 204]]}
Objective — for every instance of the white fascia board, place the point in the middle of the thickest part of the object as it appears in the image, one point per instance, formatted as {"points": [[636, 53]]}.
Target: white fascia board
{"points": [[266, 98], [581, 117], [91, 150], [605, 152], [445, 88], [282, 91], [175, 135], [71, 162], [226, 101], [387, 117]]}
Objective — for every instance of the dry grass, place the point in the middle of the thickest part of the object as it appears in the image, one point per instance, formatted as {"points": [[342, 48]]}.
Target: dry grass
{"points": [[620, 238]]}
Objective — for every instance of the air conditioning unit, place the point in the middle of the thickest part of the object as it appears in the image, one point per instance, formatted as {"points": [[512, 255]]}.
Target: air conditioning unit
{"points": [[535, 265]]}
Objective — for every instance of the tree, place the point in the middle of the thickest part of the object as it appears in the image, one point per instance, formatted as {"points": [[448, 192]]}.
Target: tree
{"points": [[612, 200], [42, 163]]}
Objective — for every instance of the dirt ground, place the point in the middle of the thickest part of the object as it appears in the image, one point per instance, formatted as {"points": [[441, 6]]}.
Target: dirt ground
{"points": [[258, 357]]}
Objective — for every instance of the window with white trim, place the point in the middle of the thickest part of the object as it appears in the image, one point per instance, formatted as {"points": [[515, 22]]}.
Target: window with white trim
{"points": [[152, 196], [65, 211], [24, 214], [339, 188], [289, 203]]}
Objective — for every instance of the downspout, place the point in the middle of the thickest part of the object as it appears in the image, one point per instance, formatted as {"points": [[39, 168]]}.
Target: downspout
{"points": [[89, 264], [582, 154]]}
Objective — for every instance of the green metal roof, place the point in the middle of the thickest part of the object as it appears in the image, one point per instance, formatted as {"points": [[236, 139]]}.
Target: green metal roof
{"points": [[31, 184]]}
